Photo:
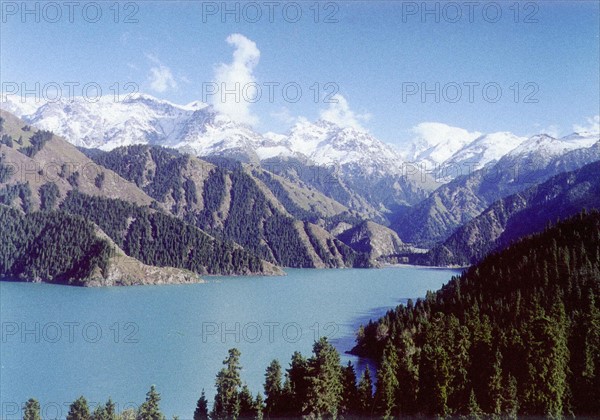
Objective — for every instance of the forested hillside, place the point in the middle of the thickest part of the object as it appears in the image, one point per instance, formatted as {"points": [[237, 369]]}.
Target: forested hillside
{"points": [[38, 158], [60, 248], [232, 204], [519, 215], [162, 240], [452, 205], [39, 171], [56, 247], [517, 333]]}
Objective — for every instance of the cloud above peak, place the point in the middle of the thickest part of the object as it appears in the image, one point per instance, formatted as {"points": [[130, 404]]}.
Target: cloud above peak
{"points": [[339, 113], [237, 76], [592, 127], [161, 79]]}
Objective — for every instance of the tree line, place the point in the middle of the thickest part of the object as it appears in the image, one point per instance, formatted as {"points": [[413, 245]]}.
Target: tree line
{"points": [[250, 218], [158, 239], [516, 334], [51, 246]]}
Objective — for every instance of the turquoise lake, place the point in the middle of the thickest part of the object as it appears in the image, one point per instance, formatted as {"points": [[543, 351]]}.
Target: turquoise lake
{"points": [[61, 342]]}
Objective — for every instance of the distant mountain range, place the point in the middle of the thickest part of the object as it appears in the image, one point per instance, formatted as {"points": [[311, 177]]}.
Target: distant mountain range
{"points": [[320, 195], [450, 206], [437, 154], [521, 214]]}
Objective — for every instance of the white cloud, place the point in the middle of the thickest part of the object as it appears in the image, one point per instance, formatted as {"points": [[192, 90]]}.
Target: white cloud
{"points": [[339, 112], [161, 78], [153, 58], [437, 141], [285, 116], [552, 130], [237, 76], [592, 127]]}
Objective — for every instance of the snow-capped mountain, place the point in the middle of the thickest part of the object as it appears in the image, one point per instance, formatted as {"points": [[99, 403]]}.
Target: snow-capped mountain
{"points": [[539, 150], [20, 106], [326, 143], [480, 153], [197, 128], [107, 124], [435, 143]]}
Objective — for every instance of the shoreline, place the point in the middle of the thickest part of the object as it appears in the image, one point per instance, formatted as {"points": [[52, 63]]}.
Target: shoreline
{"points": [[445, 267]]}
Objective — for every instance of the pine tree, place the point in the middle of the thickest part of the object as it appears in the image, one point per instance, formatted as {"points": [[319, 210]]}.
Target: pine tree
{"points": [[495, 386], [228, 382], [349, 404], [458, 344], [296, 385], [365, 393], [433, 380], [473, 408], [31, 411], [247, 408], [150, 409], [407, 374], [201, 412], [100, 413], [482, 362], [585, 358], [111, 409], [106, 411], [79, 410], [387, 382], [325, 380], [259, 406], [273, 389], [510, 401], [545, 385]]}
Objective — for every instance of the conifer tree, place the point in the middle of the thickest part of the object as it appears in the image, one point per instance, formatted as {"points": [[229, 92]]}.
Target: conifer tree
{"points": [[273, 389], [79, 410], [247, 408], [407, 375], [387, 382], [365, 393], [325, 380], [201, 412], [31, 411], [473, 408], [349, 403], [150, 409], [228, 382], [297, 384], [259, 406]]}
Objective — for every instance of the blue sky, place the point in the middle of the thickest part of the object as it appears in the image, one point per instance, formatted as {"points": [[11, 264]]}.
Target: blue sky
{"points": [[368, 52]]}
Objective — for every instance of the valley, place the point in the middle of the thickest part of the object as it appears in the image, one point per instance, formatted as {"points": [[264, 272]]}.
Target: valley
{"points": [[237, 222]]}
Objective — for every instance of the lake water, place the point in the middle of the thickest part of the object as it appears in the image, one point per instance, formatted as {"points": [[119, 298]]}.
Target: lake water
{"points": [[60, 342]]}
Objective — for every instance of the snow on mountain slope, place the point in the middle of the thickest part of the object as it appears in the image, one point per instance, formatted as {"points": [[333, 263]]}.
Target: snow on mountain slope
{"points": [[435, 143], [197, 128], [107, 124], [326, 143], [542, 148], [20, 106], [483, 151]]}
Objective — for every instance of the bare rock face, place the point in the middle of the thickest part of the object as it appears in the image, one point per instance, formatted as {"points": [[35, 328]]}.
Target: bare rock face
{"points": [[127, 271], [379, 241]]}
